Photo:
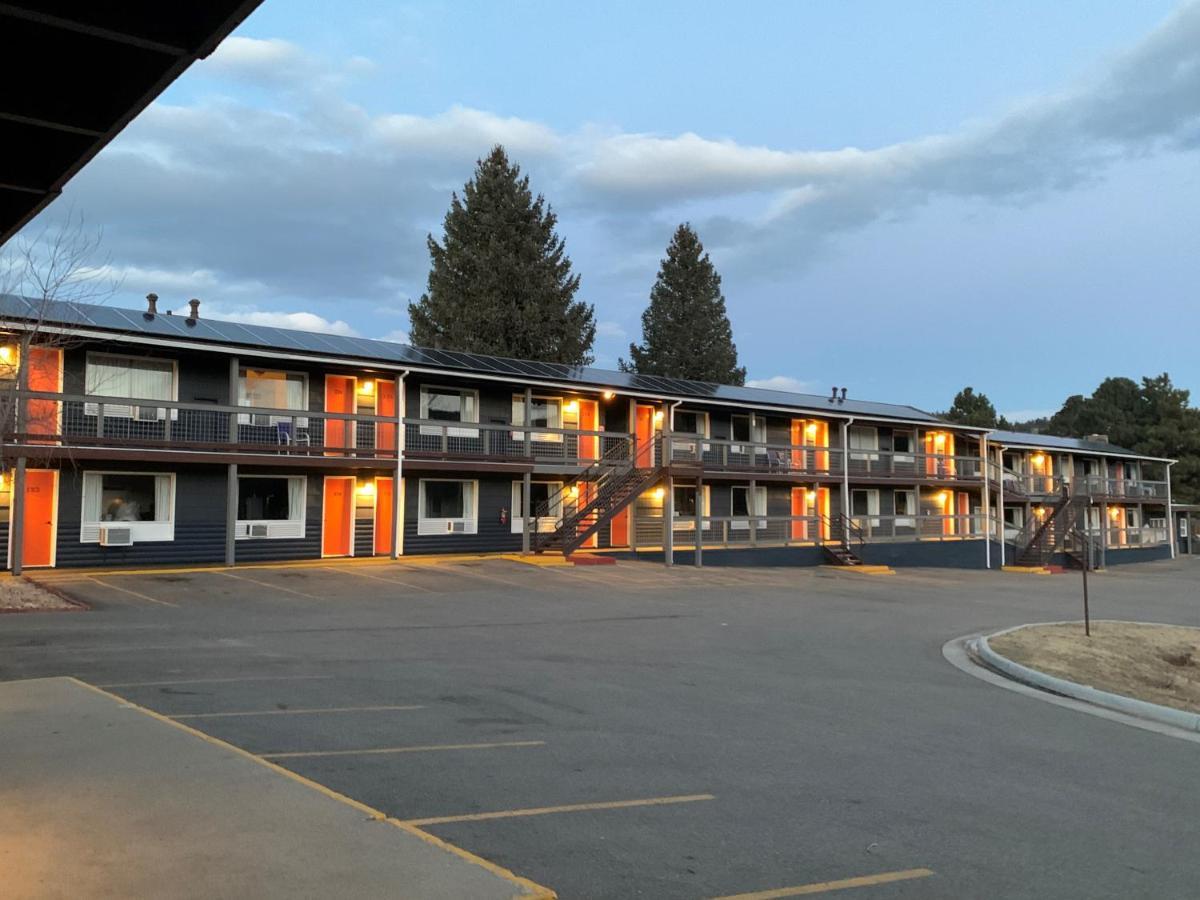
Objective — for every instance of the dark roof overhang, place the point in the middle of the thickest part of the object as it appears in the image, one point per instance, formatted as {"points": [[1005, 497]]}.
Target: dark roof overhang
{"points": [[76, 72]]}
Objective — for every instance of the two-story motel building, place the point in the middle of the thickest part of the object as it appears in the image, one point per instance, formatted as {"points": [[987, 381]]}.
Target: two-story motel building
{"points": [[143, 437]]}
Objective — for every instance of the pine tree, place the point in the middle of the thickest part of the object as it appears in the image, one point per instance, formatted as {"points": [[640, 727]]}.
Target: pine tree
{"points": [[685, 329], [500, 282], [970, 408]]}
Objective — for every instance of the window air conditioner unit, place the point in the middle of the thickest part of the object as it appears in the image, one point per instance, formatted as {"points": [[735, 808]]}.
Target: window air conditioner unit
{"points": [[116, 537], [258, 530], [456, 527]]}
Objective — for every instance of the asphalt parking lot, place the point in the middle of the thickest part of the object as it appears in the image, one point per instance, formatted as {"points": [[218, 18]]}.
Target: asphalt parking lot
{"points": [[625, 730]]}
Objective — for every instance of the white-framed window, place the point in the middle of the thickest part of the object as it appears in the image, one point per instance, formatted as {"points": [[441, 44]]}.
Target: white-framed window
{"points": [[143, 502], [739, 506], [271, 506], [271, 389], [447, 404], [133, 378], [689, 422], [864, 502], [864, 442], [741, 429], [906, 508], [902, 446], [685, 506], [447, 506], [544, 412], [539, 493]]}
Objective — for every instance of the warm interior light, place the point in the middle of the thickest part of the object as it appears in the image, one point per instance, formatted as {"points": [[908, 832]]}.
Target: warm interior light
{"points": [[659, 493], [811, 429], [608, 395], [366, 489], [366, 387], [572, 406]]}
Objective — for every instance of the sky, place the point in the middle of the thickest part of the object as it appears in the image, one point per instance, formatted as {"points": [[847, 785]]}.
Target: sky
{"points": [[902, 199]]}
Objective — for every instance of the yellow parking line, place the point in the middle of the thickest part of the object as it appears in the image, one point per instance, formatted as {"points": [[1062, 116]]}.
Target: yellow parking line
{"points": [[296, 712], [349, 571], [427, 748], [268, 584], [824, 887], [119, 684], [531, 890], [549, 810], [131, 593]]}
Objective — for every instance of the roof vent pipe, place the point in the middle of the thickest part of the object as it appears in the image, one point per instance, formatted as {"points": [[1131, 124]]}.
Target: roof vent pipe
{"points": [[843, 397], [151, 306], [833, 395], [194, 306]]}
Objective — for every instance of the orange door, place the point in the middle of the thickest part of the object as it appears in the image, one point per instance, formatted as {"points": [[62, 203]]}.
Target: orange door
{"points": [[45, 374], [337, 518], [41, 501], [385, 405], [383, 516], [644, 425], [586, 493], [823, 510], [339, 398], [799, 508], [589, 420], [964, 513], [618, 535]]}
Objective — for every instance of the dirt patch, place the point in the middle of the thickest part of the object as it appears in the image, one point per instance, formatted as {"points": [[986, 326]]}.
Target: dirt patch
{"points": [[19, 595], [1156, 663]]}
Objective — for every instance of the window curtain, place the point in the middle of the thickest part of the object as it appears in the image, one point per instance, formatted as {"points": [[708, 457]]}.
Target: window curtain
{"points": [[93, 487], [162, 498], [468, 500], [295, 499]]}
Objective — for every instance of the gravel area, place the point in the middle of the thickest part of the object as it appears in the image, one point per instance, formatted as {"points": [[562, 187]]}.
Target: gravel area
{"points": [[1156, 663], [19, 595]]}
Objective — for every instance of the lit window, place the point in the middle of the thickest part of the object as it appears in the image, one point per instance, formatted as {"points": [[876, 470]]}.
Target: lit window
{"points": [[272, 389], [145, 502], [129, 377]]}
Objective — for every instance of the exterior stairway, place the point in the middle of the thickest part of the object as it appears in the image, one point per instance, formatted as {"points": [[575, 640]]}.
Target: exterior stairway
{"points": [[846, 536], [1039, 540], [594, 496]]}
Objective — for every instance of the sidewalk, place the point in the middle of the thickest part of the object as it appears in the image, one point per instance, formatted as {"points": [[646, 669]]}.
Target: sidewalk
{"points": [[101, 799]]}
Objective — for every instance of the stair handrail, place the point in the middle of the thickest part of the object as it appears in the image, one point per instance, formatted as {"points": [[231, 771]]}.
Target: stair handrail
{"points": [[1053, 522], [617, 456]]}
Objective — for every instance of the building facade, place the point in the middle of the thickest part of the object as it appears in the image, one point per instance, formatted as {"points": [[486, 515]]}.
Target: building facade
{"points": [[142, 438]]}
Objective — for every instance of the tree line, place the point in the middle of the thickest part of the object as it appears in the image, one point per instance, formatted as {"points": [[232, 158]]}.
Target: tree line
{"points": [[500, 283], [1153, 417]]}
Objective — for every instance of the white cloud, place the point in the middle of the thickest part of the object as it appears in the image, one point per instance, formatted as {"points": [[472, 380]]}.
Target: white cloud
{"points": [[614, 330], [398, 336], [781, 383], [272, 60], [1024, 415], [461, 130], [301, 321]]}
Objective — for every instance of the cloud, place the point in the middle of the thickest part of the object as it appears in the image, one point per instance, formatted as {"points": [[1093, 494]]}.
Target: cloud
{"points": [[294, 196], [1025, 415], [301, 321], [781, 383], [398, 336], [614, 330]]}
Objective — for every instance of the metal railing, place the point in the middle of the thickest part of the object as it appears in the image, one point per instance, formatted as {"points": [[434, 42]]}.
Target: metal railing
{"points": [[1098, 487], [786, 531], [880, 529], [439, 439]]}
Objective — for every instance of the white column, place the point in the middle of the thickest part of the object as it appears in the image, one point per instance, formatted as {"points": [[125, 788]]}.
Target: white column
{"points": [[987, 503], [668, 513], [1170, 516], [398, 473]]}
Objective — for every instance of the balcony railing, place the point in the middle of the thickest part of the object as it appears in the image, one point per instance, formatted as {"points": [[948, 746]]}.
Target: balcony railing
{"points": [[443, 440], [877, 529], [1024, 484], [787, 531]]}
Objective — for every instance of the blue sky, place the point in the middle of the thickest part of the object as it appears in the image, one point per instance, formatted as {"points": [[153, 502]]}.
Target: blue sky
{"points": [[901, 198]]}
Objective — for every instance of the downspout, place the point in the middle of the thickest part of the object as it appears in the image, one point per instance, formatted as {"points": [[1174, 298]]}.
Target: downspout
{"points": [[1000, 502], [846, 469]]}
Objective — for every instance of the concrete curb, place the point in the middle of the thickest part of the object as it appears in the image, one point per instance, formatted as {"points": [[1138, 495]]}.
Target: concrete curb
{"points": [[1176, 718]]}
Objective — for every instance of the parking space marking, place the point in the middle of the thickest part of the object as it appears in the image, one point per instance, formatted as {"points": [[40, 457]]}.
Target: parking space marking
{"points": [[132, 593], [520, 585], [121, 684], [427, 748], [825, 887], [297, 712], [350, 571], [550, 810], [530, 890], [267, 584]]}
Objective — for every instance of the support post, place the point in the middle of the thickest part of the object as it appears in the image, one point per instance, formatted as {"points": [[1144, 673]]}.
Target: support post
{"points": [[751, 511], [1000, 505], [526, 512], [235, 374], [699, 521], [231, 502], [1171, 529], [398, 472], [846, 469], [1104, 526], [18, 516], [668, 510], [987, 503]]}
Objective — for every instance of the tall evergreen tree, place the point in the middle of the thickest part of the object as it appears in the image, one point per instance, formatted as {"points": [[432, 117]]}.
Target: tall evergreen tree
{"points": [[970, 408], [685, 329], [500, 282]]}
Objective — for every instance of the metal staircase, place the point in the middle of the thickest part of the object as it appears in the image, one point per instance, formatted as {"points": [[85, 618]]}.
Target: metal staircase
{"points": [[847, 540], [1040, 538], [595, 495]]}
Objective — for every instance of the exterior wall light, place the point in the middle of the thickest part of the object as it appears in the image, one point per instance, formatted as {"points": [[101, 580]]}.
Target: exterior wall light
{"points": [[659, 493], [366, 489], [572, 406], [811, 496], [658, 417], [366, 387], [608, 395]]}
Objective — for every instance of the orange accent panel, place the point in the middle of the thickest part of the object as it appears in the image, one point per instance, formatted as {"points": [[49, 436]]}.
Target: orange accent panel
{"points": [[799, 504], [589, 420], [38, 543], [339, 398], [45, 374], [823, 510], [383, 516], [338, 515], [645, 437], [385, 405], [619, 530]]}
